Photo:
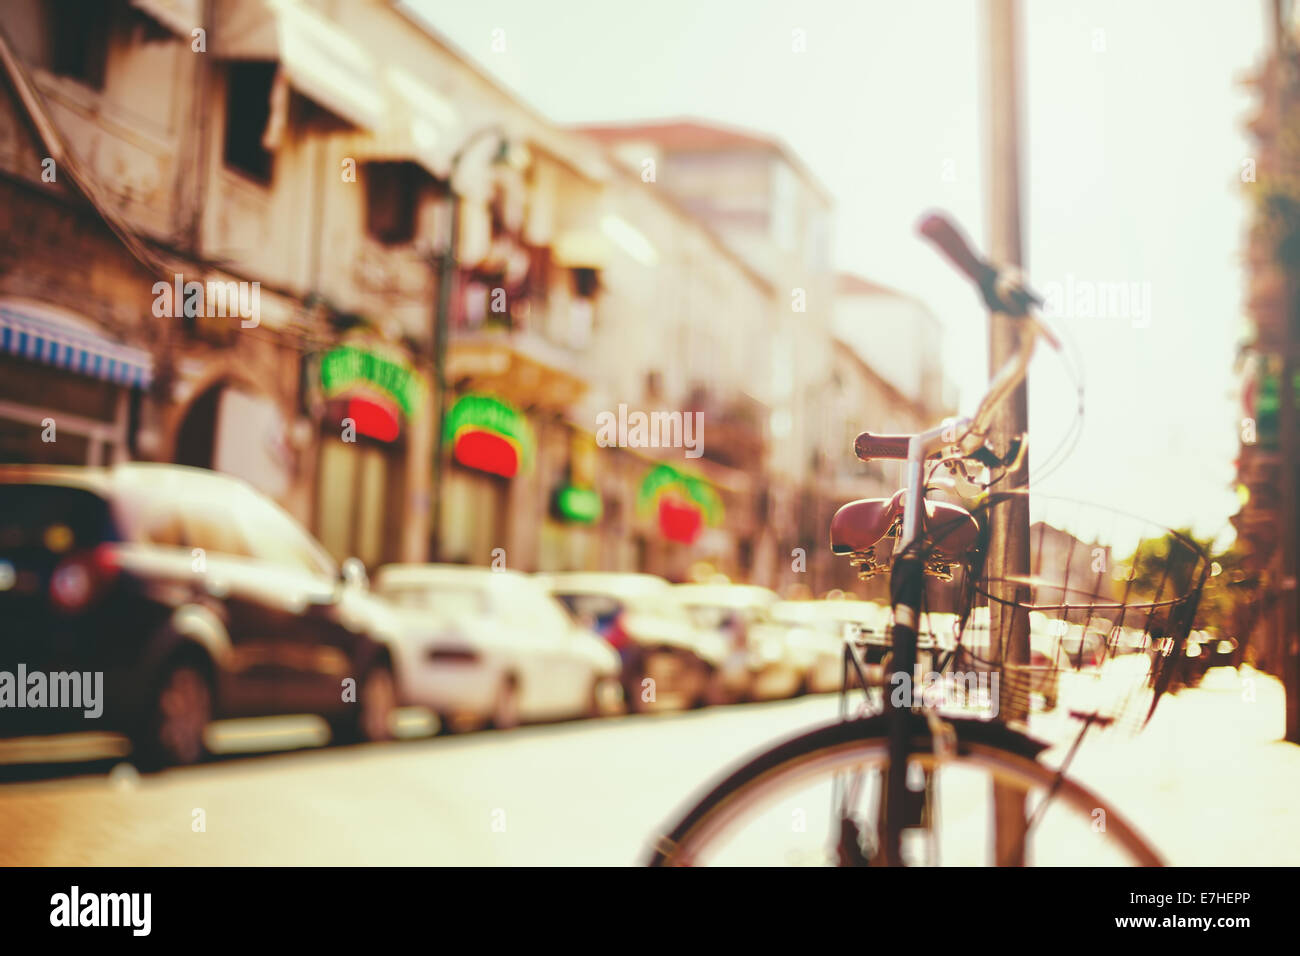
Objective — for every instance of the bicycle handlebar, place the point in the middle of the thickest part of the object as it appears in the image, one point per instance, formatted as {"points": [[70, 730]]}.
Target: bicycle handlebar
{"points": [[1001, 289], [1002, 292], [948, 238], [869, 447]]}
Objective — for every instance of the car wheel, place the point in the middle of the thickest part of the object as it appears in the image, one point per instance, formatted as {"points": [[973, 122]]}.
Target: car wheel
{"points": [[378, 700], [371, 719], [178, 716], [602, 697], [713, 690], [505, 711], [703, 677]]}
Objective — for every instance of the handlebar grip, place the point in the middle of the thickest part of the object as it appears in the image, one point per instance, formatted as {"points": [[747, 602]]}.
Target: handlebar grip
{"points": [[869, 447], [939, 230]]}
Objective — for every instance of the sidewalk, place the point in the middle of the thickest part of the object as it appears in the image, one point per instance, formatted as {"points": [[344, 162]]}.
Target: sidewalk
{"points": [[1210, 781]]}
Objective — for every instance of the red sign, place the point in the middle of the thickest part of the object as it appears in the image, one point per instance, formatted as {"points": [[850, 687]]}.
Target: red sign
{"points": [[487, 451], [679, 520], [370, 416]]}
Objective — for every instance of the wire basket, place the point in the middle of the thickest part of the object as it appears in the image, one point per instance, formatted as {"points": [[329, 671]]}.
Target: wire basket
{"points": [[1092, 624]]}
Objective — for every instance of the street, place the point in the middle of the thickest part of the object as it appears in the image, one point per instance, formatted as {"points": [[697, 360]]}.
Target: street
{"points": [[593, 792]]}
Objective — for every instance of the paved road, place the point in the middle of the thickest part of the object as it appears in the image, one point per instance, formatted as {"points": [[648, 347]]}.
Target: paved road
{"points": [[1208, 783]]}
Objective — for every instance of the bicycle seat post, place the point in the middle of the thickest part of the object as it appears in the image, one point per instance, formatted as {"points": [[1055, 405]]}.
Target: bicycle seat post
{"points": [[907, 582]]}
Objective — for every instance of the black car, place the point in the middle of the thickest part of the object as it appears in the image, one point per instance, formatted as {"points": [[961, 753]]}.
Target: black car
{"points": [[186, 596]]}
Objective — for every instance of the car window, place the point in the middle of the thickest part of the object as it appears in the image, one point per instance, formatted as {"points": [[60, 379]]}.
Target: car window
{"points": [[212, 528], [159, 522], [600, 609], [151, 518], [38, 516], [274, 536]]}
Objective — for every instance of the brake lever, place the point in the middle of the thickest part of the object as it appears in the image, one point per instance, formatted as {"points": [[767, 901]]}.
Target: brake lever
{"points": [[984, 455], [987, 457]]}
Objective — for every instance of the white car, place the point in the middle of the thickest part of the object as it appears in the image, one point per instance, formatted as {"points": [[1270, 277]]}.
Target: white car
{"points": [[493, 647], [816, 632], [760, 647], [654, 637]]}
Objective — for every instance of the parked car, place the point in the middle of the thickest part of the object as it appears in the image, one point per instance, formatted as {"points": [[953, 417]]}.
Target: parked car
{"points": [[816, 631], [485, 646], [760, 653], [195, 597], [654, 637]]}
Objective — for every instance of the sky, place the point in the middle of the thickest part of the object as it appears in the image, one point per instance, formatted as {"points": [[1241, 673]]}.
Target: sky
{"points": [[1133, 144]]}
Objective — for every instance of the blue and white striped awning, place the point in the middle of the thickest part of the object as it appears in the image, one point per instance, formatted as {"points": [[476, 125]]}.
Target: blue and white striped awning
{"points": [[47, 338]]}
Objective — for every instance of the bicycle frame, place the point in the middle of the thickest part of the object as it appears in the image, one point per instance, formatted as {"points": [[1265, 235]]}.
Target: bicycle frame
{"points": [[907, 575]]}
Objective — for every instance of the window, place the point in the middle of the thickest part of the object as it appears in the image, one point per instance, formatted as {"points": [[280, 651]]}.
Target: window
{"points": [[248, 108], [162, 525], [79, 40], [28, 513], [151, 517], [275, 537], [213, 530], [392, 195], [599, 611], [586, 282]]}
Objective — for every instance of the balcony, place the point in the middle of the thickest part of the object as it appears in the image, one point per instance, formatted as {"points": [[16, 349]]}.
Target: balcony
{"points": [[733, 428], [515, 363]]}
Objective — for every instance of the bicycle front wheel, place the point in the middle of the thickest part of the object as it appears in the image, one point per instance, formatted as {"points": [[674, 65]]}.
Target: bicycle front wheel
{"points": [[980, 799]]}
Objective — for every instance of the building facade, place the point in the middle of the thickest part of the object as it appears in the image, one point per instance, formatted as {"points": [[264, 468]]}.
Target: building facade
{"points": [[313, 245]]}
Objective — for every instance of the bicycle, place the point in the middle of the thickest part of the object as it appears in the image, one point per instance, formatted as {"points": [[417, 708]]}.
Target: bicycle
{"points": [[891, 770]]}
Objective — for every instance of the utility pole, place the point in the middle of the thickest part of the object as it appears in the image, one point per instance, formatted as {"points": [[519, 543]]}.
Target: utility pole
{"points": [[446, 264], [1009, 539], [446, 278], [1009, 544]]}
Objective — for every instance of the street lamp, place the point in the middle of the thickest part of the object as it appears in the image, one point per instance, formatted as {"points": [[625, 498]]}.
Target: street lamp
{"points": [[446, 263]]}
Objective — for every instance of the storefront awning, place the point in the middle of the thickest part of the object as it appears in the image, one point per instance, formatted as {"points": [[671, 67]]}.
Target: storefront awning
{"points": [[179, 16], [51, 340], [320, 61], [519, 366], [419, 126]]}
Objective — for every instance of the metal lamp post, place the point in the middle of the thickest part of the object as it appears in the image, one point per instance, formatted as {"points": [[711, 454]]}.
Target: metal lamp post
{"points": [[446, 263]]}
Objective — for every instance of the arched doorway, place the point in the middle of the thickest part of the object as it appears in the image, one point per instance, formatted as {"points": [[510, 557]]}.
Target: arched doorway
{"points": [[232, 428], [198, 430]]}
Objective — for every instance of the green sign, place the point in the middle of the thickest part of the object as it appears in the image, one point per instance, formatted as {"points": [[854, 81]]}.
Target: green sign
{"points": [[666, 478], [486, 413], [347, 367], [578, 504]]}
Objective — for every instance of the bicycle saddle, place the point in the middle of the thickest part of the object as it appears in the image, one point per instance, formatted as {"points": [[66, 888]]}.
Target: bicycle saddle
{"points": [[860, 525]]}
